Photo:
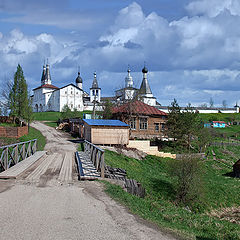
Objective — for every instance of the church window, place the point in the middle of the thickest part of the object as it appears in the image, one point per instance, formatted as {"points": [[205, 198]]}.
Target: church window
{"points": [[71, 92], [133, 123], [77, 92], [65, 92], [143, 123], [96, 92]]}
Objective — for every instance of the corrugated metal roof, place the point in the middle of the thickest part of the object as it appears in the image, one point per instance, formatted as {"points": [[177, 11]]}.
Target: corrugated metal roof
{"points": [[105, 122]]}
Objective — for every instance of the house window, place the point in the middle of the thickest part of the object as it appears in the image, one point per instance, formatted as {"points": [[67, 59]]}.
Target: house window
{"points": [[156, 126], [162, 126], [133, 123], [143, 123]]}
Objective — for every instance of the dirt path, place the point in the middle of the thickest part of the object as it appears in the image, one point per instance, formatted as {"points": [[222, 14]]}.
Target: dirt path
{"points": [[77, 210]]}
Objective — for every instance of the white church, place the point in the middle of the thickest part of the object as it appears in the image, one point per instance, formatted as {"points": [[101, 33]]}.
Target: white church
{"points": [[48, 97]]}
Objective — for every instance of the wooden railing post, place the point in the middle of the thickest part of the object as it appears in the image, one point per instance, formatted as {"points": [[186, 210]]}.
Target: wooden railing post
{"points": [[102, 166]]}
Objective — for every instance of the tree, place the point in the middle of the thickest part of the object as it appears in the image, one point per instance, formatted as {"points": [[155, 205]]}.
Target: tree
{"points": [[183, 126], [211, 102], [107, 110], [18, 97], [66, 112], [224, 103]]}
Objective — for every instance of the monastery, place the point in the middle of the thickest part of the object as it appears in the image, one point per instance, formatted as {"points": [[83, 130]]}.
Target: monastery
{"points": [[48, 97]]}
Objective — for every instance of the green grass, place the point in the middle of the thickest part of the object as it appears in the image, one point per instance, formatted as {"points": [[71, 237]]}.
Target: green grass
{"points": [[32, 134], [47, 116], [8, 125], [159, 204], [51, 124], [206, 117]]}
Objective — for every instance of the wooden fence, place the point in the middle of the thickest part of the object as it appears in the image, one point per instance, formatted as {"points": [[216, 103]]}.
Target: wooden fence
{"points": [[14, 153], [96, 155]]}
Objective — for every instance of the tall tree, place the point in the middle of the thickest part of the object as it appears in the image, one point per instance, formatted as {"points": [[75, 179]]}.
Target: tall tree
{"points": [[18, 97], [107, 110]]}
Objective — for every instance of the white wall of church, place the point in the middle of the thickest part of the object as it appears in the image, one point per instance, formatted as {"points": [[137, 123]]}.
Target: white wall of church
{"points": [[72, 96]]}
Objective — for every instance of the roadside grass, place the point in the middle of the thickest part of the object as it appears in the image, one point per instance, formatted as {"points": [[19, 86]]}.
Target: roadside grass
{"points": [[159, 205], [51, 124], [32, 134]]}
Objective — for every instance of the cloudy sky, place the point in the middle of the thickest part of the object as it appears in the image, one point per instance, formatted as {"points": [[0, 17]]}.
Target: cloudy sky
{"points": [[191, 47]]}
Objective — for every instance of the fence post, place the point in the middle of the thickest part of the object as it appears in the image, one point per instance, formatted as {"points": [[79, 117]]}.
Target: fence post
{"points": [[102, 166]]}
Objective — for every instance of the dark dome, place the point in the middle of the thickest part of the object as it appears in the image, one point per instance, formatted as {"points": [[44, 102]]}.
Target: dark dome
{"points": [[144, 70], [78, 79]]}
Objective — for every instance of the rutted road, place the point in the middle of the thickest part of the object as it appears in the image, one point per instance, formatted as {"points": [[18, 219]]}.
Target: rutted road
{"points": [[76, 210]]}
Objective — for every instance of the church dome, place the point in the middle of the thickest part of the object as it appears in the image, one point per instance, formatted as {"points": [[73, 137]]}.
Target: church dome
{"points": [[78, 79], [144, 70]]}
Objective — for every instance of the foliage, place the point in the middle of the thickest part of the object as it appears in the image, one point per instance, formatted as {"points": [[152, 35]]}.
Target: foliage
{"points": [[188, 172], [183, 126], [18, 97], [159, 204], [107, 110]]}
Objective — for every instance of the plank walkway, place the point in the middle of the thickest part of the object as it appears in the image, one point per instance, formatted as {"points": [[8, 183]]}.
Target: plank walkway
{"points": [[17, 169], [87, 170], [42, 166]]}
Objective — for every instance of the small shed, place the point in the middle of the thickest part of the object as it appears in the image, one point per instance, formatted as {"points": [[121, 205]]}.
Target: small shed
{"points": [[236, 169], [109, 132], [219, 124]]}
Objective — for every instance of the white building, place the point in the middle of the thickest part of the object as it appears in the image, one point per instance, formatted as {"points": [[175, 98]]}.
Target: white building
{"points": [[48, 97], [129, 92]]}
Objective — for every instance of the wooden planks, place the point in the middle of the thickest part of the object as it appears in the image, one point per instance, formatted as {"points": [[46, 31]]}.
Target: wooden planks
{"points": [[86, 168], [66, 170], [20, 167]]}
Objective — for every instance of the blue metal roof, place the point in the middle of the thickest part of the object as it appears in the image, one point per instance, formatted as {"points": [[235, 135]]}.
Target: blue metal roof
{"points": [[105, 122]]}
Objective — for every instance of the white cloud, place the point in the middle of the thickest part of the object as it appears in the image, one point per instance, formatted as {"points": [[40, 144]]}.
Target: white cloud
{"points": [[212, 8]]}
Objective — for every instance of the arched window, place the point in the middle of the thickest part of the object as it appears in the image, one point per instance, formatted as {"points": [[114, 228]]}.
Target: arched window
{"points": [[36, 108]]}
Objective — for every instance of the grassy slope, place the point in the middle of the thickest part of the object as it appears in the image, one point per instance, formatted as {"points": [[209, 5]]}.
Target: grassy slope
{"points": [[33, 133], [206, 117], [158, 206]]}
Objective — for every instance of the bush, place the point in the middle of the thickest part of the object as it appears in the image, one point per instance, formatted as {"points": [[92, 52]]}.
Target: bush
{"points": [[188, 171]]}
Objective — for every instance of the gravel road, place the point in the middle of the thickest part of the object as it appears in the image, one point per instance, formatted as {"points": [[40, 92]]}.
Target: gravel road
{"points": [[77, 210]]}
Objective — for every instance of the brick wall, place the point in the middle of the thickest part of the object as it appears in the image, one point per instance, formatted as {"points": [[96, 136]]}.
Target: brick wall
{"points": [[13, 132]]}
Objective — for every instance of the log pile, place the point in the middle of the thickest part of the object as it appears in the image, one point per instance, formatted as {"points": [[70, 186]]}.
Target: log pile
{"points": [[130, 185]]}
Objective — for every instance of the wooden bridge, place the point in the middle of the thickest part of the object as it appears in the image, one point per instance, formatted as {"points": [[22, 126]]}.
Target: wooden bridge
{"points": [[22, 161]]}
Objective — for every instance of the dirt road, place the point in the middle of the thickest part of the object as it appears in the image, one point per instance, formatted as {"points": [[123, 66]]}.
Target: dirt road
{"points": [[74, 210]]}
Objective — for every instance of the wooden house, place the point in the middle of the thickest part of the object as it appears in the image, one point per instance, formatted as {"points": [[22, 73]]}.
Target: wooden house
{"points": [[109, 132], [145, 121]]}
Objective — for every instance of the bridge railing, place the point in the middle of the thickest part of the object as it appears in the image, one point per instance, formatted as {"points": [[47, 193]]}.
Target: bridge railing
{"points": [[96, 155], [14, 153]]}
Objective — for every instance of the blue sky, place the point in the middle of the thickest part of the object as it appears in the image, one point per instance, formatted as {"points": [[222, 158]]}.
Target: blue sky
{"points": [[191, 47]]}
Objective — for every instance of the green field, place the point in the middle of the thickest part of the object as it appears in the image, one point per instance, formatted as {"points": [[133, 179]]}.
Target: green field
{"points": [[227, 117], [47, 116], [159, 205]]}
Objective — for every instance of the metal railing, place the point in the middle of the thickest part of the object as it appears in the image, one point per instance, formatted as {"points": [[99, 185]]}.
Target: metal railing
{"points": [[96, 155], [14, 153]]}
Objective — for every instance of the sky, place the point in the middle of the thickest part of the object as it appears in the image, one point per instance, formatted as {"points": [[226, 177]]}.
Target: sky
{"points": [[191, 47]]}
